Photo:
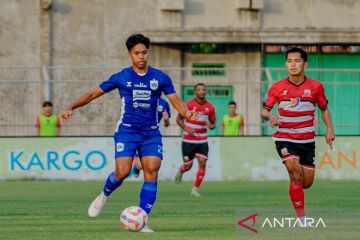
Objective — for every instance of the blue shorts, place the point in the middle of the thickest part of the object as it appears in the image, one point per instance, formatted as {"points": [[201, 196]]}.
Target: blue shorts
{"points": [[128, 144]]}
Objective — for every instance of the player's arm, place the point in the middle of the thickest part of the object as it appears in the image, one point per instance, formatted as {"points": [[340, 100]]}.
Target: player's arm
{"points": [[329, 135], [166, 118], [242, 124], [322, 103], [211, 125], [268, 103], [82, 101], [267, 115], [58, 124], [181, 107], [180, 122], [222, 128], [37, 126], [212, 119]]}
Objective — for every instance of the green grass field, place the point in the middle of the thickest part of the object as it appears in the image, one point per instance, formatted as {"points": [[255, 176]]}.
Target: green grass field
{"points": [[58, 210]]}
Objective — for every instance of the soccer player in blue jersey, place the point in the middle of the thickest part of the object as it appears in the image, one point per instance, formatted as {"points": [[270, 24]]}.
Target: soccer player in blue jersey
{"points": [[140, 87], [163, 113]]}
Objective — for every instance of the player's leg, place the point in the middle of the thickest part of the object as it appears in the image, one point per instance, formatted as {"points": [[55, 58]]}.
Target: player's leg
{"points": [[290, 156], [124, 152], [202, 156], [307, 161], [150, 154], [188, 156], [308, 176], [136, 167], [114, 180], [296, 191], [151, 166]]}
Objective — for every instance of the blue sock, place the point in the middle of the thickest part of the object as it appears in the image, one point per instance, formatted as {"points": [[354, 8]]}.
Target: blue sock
{"points": [[111, 184], [148, 195]]}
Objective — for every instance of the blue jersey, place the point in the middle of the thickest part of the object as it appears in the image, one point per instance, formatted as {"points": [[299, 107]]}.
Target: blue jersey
{"points": [[162, 107], [140, 96]]}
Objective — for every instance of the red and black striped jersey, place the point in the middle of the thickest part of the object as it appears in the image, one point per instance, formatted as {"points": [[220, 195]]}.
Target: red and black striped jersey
{"points": [[206, 112], [296, 107]]}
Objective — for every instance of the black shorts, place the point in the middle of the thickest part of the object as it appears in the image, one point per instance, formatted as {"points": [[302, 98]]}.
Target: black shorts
{"points": [[190, 150], [305, 152]]}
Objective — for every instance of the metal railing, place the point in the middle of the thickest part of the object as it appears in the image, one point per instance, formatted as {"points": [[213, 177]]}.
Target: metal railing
{"points": [[23, 89]]}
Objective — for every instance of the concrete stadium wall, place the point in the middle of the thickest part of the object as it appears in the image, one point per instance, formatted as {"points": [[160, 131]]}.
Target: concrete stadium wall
{"points": [[93, 32], [246, 158]]}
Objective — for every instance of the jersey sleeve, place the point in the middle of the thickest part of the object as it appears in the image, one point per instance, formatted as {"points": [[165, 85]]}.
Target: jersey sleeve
{"points": [[110, 84], [270, 98], [168, 86], [167, 108], [321, 99]]}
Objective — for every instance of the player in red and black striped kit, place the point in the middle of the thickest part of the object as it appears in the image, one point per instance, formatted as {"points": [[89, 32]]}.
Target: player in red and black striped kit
{"points": [[297, 97], [194, 142]]}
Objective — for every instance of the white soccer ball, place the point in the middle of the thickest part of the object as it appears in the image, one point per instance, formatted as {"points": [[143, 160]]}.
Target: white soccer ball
{"points": [[133, 218]]}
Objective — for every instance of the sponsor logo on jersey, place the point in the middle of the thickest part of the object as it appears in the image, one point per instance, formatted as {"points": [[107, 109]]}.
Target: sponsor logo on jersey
{"points": [[141, 95], [154, 84], [140, 85], [128, 84], [285, 92], [294, 102], [160, 108], [141, 105]]}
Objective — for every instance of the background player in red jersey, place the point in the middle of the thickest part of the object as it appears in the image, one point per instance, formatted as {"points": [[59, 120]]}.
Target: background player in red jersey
{"points": [[297, 97], [194, 142]]}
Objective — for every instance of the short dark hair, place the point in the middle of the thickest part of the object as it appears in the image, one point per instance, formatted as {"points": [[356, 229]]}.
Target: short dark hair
{"points": [[232, 103], [302, 52], [136, 39], [47, 103], [199, 84]]}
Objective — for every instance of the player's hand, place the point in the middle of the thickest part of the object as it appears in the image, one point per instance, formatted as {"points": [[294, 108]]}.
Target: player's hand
{"points": [[165, 115], [189, 130], [192, 115], [330, 137], [210, 125], [273, 120], [66, 115]]}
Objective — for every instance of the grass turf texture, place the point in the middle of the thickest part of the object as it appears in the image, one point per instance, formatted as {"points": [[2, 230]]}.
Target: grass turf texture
{"points": [[58, 210]]}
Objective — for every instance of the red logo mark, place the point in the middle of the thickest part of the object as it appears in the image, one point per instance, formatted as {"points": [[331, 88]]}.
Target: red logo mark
{"points": [[242, 221]]}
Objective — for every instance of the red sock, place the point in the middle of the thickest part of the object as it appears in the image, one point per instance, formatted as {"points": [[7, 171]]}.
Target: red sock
{"points": [[199, 177], [297, 197]]}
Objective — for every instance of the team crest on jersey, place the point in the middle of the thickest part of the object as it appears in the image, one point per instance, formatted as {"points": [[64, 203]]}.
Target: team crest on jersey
{"points": [[307, 93], [160, 108], [294, 102], [128, 84], [120, 147], [154, 84], [284, 152]]}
